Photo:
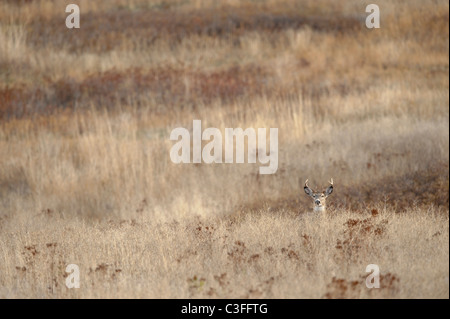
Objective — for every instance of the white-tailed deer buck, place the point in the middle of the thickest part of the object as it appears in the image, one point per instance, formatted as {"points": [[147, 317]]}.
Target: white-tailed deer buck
{"points": [[319, 197]]}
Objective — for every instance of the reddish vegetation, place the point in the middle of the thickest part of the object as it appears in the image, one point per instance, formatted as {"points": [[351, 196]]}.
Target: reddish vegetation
{"points": [[343, 289], [111, 89]]}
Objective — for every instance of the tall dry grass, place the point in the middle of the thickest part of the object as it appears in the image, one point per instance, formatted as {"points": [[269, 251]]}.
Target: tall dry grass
{"points": [[268, 254], [86, 177]]}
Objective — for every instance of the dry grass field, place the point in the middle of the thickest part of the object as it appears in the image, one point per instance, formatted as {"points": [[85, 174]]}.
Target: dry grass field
{"points": [[86, 177]]}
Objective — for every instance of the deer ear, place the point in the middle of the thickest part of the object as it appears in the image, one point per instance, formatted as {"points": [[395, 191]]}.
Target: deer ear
{"points": [[329, 190], [308, 191]]}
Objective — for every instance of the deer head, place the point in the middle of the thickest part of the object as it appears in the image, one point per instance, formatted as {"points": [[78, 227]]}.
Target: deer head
{"points": [[319, 197]]}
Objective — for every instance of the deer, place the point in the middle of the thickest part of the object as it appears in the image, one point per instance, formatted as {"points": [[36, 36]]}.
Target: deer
{"points": [[319, 197]]}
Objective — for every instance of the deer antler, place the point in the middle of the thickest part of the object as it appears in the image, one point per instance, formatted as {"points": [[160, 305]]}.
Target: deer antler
{"points": [[331, 181], [307, 186]]}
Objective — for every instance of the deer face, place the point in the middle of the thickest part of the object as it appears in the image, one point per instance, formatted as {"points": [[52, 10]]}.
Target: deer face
{"points": [[319, 198]]}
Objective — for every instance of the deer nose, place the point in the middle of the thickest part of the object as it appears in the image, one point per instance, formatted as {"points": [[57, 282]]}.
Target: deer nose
{"points": [[317, 202]]}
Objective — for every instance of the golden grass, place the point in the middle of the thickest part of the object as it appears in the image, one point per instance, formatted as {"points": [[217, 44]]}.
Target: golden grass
{"points": [[267, 254], [86, 177]]}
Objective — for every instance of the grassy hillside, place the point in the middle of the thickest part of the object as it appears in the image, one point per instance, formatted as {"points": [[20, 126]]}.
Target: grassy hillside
{"points": [[86, 177]]}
